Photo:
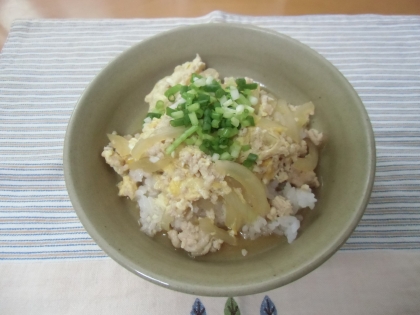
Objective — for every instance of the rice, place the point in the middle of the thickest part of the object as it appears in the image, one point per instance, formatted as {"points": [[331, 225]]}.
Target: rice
{"points": [[150, 215], [299, 197], [286, 225]]}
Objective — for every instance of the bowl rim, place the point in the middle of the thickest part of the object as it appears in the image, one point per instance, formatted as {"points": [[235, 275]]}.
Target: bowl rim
{"points": [[233, 290]]}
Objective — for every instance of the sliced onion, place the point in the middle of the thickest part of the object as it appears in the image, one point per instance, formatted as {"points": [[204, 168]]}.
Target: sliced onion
{"points": [[266, 123], [120, 144], [237, 212], [205, 204], [310, 161], [159, 135], [287, 119], [254, 188], [146, 165], [303, 112], [208, 227]]}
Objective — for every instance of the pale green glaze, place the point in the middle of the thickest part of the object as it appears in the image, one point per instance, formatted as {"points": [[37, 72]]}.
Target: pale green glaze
{"points": [[114, 101]]}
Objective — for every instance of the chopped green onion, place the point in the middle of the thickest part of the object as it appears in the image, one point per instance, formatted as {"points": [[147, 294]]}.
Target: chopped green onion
{"points": [[252, 157], [207, 113], [153, 115], [160, 106], [199, 113], [194, 107], [248, 163], [227, 132], [225, 156], [251, 86], [169, 111], [181, 106], [234, 121], [250, 160], [215, 123], [240, 109], [219, 93], [198, 142], [195, 76], [200, 82], [177, 114], [250, 109], [223, 99], [224, 123], [243, 100], [194, 88], [246, 147], [177, 122], [207, 137], [251, 121], [203, 148], [223, 141], [207, 143], [190, 141], [193, 119], [215, 115], [227, 103], [181, 139], [172, 91], [234, 93], [253, 100], [211, 87], [206, 126], [240, 82], [183, 89], [191, 93], [235, 149], [219, 110], [203, 98], [245, 123], [187, 120], [228, 114]]}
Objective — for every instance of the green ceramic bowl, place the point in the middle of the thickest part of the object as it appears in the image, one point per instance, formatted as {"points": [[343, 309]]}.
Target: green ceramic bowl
{"points": [[289, 69]]}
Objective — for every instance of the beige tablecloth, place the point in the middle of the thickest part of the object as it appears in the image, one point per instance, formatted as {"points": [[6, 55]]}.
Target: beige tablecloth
{"points": [[50, 265]]}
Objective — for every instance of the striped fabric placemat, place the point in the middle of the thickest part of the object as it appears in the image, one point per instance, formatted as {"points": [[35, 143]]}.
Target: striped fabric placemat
{"points": [[46, 64]]}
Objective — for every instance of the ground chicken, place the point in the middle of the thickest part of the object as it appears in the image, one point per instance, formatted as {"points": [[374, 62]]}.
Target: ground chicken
{"points": [[194, 240]]}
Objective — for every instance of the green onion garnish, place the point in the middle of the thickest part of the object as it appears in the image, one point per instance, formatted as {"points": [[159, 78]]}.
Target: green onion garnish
{"points": [[181, 139], [177, 114], [246, 147], [225, 156], [153, 115], [170, 93], [250, 160], [177, 122], [194, 107], [193, 119], [214, 113], [160, 106]]}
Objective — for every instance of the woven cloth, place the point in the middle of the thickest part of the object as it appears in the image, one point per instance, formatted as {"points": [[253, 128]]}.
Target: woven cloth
{"points": [[46, 64]]}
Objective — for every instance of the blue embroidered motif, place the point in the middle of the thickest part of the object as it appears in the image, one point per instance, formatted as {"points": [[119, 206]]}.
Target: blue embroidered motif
{"points": [[268, 307], [198, 308]]}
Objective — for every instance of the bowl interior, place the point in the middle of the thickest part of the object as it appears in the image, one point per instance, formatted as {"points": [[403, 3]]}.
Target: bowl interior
{"points": [[115, 101]]}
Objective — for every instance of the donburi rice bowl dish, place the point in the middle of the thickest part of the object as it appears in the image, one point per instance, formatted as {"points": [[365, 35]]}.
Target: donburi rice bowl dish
{"points": [[217, 159]]}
